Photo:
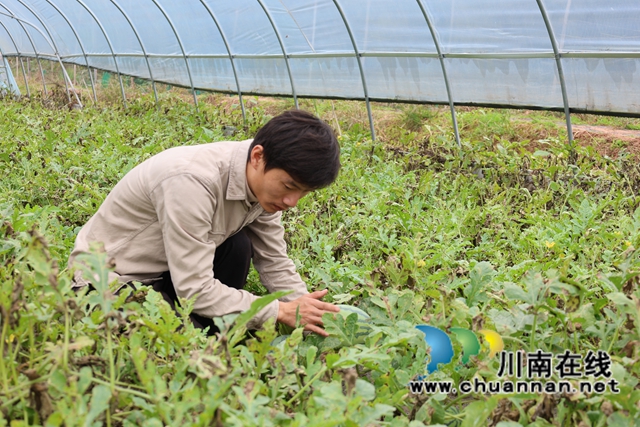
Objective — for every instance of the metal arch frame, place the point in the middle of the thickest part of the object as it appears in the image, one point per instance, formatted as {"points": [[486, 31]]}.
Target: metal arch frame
{"points": [[284, 52], [106, 36], [563, 86], [84, 53], [144, 51], [57, 51], [35, 51], [444, 71], [233, 65], [24, 73], [364, 81], [381, 54], [184, 53]]}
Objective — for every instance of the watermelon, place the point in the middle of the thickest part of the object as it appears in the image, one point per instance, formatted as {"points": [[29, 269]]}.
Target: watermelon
{"points": [[364, 320], [279, 341], [346, 310]]}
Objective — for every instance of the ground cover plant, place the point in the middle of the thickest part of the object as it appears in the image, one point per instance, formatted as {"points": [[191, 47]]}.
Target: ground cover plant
{"points": [[515, 232]]}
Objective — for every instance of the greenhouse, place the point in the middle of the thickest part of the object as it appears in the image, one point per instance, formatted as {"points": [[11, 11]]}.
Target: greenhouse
{"points": [[571, 56], [314, 213]]}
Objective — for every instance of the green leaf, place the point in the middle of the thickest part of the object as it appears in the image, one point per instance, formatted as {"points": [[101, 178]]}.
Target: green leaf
{"points": [[100, 396], [479, 411], [515, 292], [365, 389], [55, 420], [622, 302], [534, 293], [479, 278], [344, 328], [541, 153], [244, 318]]}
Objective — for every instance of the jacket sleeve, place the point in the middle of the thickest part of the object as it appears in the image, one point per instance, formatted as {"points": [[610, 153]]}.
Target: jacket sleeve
{"points": [[276, 269], [185, 209]]}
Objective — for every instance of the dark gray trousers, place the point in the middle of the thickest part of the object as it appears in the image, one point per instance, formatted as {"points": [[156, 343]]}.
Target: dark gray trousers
{"points": [[230, 265]]}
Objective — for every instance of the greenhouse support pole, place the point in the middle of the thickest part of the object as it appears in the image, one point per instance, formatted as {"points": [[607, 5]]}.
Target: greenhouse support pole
{"points": [[52, 44], [113, 54], [364, 81], [184, 53], [24, 73], [84, 53], [144, 51], [65, 76], [563, 86], [284, 51], [233, 65], [44, 85], [444, 72]]}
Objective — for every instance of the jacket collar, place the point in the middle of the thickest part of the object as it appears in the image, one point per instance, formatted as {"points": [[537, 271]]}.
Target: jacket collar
{"points": [[238, 188]]}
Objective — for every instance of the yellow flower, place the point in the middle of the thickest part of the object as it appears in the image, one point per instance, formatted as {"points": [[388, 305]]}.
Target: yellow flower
{"points": [[550, 244], [353, 207], [421, 263], [628, 243], [11, 338]]}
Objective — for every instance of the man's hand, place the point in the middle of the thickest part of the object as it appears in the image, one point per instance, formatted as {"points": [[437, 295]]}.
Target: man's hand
{"points": [[310, 309]]}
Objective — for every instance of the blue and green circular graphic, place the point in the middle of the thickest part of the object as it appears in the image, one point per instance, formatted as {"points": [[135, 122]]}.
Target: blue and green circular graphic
{"points": [[442, 348]]}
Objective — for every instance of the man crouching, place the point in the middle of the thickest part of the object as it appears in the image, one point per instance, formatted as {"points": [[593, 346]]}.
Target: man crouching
{"points": [[190, 220]]}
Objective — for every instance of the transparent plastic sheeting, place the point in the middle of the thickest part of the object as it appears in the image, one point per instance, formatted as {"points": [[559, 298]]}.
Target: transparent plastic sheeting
{"points": [[8, 84], [582, 55]]}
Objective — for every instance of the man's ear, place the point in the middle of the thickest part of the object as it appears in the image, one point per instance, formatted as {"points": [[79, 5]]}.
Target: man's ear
{"points": [[257, 156]]}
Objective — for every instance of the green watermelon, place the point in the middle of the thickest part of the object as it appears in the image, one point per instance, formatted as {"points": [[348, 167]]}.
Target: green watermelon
{"points": [[279, 341], [346, 310], [364, 320]]}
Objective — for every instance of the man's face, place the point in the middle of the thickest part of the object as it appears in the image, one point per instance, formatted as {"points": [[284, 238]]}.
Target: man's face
{"points": [[274, 189], [277, 191]]}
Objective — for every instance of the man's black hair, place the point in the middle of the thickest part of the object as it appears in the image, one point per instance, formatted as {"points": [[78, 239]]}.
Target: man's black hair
{"points": [[301, 144]]}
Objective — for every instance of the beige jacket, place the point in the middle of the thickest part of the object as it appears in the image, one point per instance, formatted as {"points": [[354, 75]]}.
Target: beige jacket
{"points": [[173, 210]]}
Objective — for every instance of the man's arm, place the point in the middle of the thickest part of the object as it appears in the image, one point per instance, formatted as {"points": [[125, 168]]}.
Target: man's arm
{"points": [[277, 272], [185, 209]]}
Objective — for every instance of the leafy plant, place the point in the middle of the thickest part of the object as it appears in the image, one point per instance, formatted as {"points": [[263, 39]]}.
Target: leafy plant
{"points": [[494, 236]]}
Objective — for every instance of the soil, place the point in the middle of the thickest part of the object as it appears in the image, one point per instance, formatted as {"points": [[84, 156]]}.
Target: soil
{"points": [[607, 140]]}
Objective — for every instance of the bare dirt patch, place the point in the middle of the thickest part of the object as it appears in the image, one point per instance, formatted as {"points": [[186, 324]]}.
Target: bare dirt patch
{"points": [[607, 140]]}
